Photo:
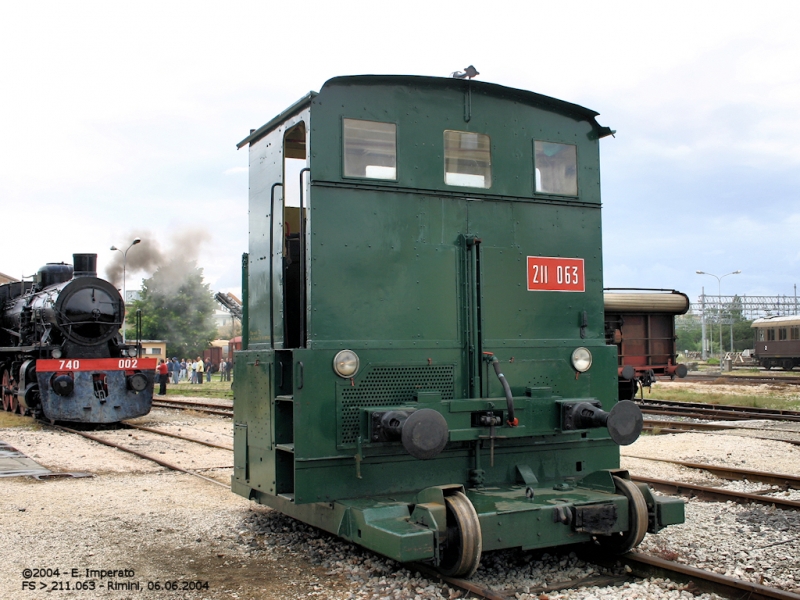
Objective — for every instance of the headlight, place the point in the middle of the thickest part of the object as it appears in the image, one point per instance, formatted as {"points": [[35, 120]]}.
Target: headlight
{"points": [[56, 353], [581, 359], [345, 363]]}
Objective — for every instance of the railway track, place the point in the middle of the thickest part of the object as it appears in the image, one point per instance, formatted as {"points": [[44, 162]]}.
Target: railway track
{"points": [[715, 412], [674, 408], [144, 455], [641, 565], [743, 379], [224, 410], [714, 494], [481, 591], [656, 407], [175, 435], [647, 565], [734, 473], [656, 427]]}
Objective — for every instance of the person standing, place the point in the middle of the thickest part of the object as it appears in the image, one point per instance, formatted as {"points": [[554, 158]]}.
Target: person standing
{"points": [[176, 370], [163, 371], [183, 370], [199, 368], [209, 366]]}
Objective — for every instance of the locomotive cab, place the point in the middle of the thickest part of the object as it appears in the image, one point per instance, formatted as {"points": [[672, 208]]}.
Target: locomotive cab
{"points": [[424, 369]]}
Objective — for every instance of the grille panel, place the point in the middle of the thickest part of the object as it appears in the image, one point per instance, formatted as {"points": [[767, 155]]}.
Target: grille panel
{"points": [[389, 386]]}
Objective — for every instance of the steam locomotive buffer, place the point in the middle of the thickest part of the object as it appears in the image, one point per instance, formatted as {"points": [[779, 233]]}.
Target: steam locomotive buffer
{"points": [[425, 371], [61, 353]]}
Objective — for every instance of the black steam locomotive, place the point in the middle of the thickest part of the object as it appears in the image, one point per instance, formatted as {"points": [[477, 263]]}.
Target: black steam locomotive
{"points": [[61, 353]]}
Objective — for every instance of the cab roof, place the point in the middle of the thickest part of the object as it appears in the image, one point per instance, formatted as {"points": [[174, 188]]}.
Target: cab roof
{"points": [[568, 109]]}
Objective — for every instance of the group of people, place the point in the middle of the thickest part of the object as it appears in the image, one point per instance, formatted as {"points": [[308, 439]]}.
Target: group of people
{"points": [[177, 371]]}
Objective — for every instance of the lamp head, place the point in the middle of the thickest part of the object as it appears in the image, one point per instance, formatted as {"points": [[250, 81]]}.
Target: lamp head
{"points": [[113, 248], [136, 241], [736, 272], [700, 272]]}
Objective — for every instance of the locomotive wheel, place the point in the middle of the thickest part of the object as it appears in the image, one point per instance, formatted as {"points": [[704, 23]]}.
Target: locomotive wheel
{"points": [[787, 365], [10, 402], [14, 404], [620, 543], [461, 551], [5, 383]]}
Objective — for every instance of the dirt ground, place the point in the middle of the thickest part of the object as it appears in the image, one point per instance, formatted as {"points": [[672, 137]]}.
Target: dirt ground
{"points": [[172, 530]]}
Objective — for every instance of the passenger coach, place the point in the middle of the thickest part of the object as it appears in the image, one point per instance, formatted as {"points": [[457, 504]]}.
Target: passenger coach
{"points": [[777, 342], [424, 368]]}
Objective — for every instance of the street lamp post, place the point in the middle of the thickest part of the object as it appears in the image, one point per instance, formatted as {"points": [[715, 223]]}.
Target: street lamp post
{"points": [[124, 279], [703, 353], [719, 291]]}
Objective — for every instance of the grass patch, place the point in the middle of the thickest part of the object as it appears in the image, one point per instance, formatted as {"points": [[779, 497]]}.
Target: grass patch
{"points": [[7, 421], [712, 397], [213, 389]]}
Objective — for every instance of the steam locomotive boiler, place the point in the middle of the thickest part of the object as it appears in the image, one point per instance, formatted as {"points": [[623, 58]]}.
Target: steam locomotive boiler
{"points": [[61, 353], [424, 369]]}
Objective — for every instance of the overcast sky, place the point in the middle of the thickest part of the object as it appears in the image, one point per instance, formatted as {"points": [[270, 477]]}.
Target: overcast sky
{"points": [[121, 119]]}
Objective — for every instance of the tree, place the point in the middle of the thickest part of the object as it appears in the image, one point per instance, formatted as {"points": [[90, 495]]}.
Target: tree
{"points": [[742, 328], [688, 329], [177, 307]]}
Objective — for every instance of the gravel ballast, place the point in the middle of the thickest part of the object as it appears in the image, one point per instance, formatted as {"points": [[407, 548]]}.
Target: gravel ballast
{"points": [[172, 527]]}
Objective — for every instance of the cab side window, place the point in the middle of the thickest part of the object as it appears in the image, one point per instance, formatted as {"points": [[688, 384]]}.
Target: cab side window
{"points": [[370, 149], [467, 159], [555, 168]]}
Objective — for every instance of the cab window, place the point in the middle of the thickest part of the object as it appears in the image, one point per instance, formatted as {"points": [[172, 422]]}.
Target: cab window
{"points": [[770, 335], [555, 168], [467, 159], [370, 149]]}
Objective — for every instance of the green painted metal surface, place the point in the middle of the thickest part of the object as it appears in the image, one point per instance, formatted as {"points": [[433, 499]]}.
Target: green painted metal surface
{"points": [[425, 282], [671, 511]]}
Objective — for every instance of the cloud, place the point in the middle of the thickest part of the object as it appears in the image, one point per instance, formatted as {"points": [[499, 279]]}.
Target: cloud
{"points": [[125, 119]]}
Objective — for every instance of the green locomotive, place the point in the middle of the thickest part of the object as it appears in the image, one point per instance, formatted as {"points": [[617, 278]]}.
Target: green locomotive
{"points": [[424, 368]]}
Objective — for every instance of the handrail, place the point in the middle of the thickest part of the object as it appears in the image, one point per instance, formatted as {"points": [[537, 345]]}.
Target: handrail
{"points": [[271, 260], [303, 299]]}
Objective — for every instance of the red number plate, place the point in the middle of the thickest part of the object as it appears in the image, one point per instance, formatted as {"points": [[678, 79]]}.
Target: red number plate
{"points": [[95, 364], [553, 274]]}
